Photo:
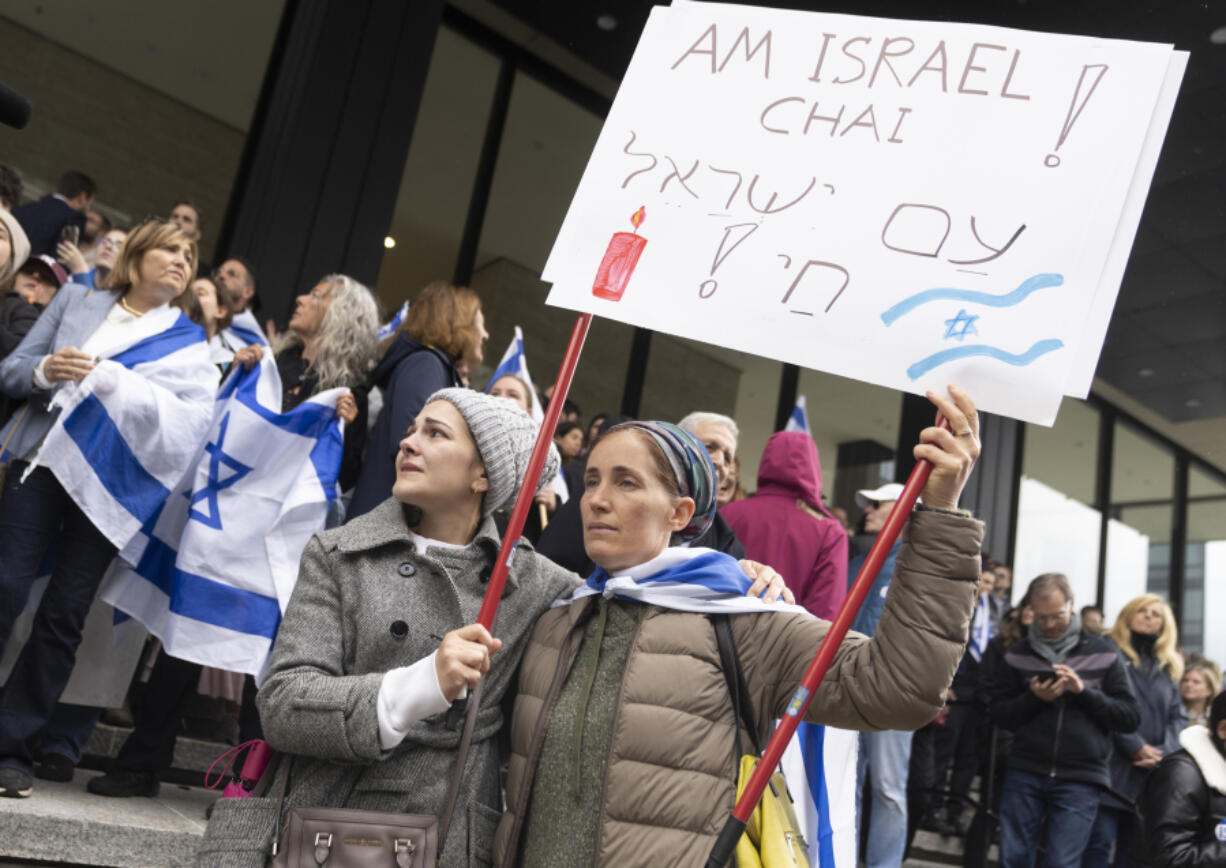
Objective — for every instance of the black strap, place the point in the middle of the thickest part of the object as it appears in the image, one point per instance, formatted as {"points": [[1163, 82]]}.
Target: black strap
{"points": [[734, 676]]}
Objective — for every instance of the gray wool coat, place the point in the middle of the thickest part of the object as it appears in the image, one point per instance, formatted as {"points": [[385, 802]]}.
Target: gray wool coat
{"points": [[367, 601]]}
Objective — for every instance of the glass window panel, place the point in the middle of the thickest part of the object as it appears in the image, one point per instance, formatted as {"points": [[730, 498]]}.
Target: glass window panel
{"points": [[432, 205], [1141, 470], [1057, 527], [1065, 456], [152, 100], [1205, 572]]}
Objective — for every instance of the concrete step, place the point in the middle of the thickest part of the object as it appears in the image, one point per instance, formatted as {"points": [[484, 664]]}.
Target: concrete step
{"points": [[191, 754], [62, 824]]}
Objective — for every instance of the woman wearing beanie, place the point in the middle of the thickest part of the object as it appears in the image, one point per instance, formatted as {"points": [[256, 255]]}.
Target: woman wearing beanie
{"points": [[623, 733], [17, 315], [1146, 636], [373, 652]]}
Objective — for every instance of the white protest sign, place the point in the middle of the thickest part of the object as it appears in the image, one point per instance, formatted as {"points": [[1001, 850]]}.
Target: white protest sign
{"points": [[906, 203]]}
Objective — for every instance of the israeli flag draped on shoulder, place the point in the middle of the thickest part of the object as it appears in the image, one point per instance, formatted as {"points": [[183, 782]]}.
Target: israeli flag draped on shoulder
{"points": [[244, 330], [515, 363], [127, 433], [799, 420], [213, 575], [686, 579]]}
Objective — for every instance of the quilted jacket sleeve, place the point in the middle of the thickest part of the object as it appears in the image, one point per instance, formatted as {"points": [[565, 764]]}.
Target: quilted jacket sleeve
{"points": [[897, 679]]}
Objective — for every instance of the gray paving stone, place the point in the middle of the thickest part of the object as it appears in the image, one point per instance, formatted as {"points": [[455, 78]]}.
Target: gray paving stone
{"points": [[62, 824], [191, 754]]}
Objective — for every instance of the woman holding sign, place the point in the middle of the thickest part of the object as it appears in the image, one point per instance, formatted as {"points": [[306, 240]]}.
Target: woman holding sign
{"points": [[373, 649], [623, 730]]}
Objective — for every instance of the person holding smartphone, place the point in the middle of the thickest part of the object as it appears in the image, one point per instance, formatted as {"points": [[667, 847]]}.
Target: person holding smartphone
{"points": [[44, 220]]}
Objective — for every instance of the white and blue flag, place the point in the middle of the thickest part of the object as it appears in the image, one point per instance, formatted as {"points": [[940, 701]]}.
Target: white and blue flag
{"points": [[515, 363], [212, 574], [128, 432], [799, 420], [244, 330], [389, 328], [820, 766]]}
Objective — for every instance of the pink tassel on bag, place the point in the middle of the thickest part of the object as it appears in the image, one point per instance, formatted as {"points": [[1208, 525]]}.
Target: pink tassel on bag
{"points": [[258, 754]]}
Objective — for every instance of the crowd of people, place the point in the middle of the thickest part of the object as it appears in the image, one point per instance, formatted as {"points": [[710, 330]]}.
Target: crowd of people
{"points": [[1092, 746]]}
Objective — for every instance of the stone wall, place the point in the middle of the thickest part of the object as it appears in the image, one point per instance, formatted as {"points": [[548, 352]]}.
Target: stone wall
{"points": [[144, 149]]}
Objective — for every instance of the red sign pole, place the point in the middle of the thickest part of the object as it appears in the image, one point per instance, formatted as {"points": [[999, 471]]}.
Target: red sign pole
{"points": [[527, 491], [725, 844]]}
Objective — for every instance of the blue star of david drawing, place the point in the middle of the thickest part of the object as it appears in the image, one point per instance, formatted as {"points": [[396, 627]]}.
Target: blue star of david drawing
{"points": [[962, 319], [215, 484]]}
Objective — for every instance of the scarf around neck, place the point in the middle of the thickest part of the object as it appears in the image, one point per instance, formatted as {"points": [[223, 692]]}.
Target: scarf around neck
{"points": [[1056, 649], [683, 579]]}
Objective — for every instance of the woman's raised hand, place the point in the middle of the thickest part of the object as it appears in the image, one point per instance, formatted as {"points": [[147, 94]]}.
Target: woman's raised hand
{"points": [[249, 356], [766, 579], [67, 363], [462, 658], [71, 258], [953, 453]]}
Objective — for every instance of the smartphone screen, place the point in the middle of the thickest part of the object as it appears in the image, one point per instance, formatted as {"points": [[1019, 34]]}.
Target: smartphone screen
{"points": [[70, 233]]}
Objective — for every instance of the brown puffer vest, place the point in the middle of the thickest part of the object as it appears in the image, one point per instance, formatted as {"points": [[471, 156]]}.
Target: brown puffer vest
{"points": [[670, 774]]}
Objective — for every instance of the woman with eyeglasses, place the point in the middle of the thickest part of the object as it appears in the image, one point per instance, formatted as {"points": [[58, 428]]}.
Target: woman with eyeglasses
{"points": [[83, 335], [106, 248]]}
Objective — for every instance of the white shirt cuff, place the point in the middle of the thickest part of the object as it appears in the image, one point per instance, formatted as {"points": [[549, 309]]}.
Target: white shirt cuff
{"points": [[406, 695], [40, 379]]}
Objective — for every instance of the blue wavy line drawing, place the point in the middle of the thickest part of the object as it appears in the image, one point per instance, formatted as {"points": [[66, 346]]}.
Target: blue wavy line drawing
{"points": [[1041, 348], [1009, 299]]}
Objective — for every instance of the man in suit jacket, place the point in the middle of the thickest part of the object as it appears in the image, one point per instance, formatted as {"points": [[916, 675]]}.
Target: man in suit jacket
{"points": [[44, 220]]}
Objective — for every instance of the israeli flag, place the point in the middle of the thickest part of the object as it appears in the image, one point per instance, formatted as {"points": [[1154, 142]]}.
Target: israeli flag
{"points": [[515, 363], [213, 573], [799, 420], [128, 432], [244, 331], [389, 328], [820, 766]]}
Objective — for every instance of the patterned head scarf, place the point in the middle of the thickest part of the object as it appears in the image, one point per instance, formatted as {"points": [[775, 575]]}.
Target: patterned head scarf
{"points": [[692, 468]]}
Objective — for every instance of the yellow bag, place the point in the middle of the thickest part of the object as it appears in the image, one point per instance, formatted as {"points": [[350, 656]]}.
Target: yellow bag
{"points": [[772, 836]]}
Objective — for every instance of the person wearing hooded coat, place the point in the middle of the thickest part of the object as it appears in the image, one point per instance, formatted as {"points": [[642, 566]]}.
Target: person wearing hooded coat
{"points": [[17, 315], [786, 525]]}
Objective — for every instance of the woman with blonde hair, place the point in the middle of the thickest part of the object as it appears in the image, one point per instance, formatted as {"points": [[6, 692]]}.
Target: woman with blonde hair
{"points": [[168, 376], [1146, 636], [443, 330], [1200, 683]]}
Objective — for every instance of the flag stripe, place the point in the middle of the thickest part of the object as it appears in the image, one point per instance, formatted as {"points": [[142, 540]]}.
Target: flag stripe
{"points": [[203, 599], [182, 334], [250, 336], [812, 748], [118, 469]]}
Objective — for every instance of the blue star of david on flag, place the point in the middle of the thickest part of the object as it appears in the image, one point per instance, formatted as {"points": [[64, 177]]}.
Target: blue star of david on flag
{"points": [[215, 484]]}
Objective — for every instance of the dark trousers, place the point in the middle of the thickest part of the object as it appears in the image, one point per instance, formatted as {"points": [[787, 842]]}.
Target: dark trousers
{"points": [[1112, 826], [151, 746], [957, 754], [32, 515], [1069, 808]]}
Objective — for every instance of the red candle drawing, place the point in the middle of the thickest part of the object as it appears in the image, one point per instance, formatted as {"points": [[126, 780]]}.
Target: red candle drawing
{"points": [[623, 254]]}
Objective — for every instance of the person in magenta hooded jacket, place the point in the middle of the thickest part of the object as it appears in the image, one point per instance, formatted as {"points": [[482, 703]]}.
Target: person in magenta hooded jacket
{"points": [[786, 525]]}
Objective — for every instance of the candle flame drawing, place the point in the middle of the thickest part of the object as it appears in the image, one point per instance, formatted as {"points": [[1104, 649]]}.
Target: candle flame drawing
{"points": [[622, 255]]}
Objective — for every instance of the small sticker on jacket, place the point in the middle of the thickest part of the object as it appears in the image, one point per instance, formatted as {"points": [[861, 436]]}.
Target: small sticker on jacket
{"points": [[799, 698]]}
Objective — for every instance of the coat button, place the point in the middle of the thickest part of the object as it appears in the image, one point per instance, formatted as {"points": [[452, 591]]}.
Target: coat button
{"points": [[399, 629], [407, 569]]}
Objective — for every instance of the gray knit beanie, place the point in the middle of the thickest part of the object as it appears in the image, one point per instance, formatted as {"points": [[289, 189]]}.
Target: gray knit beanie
{"points": [[504, 434]]}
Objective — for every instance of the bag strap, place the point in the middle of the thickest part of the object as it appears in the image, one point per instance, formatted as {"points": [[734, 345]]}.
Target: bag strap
{"points": [[453, 791], [734, 676]]}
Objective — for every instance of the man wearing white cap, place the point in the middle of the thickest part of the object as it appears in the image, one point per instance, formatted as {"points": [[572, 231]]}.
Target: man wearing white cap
{"points": [[884, 756]]}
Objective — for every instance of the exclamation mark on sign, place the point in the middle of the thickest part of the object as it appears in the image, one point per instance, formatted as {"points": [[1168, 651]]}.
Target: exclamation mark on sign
{"points": [[1075, 107]]}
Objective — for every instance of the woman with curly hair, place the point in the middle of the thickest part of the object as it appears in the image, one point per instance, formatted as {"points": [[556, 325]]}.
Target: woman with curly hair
{"points": [[1146, 636], [443, 331], [331, 342]]}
